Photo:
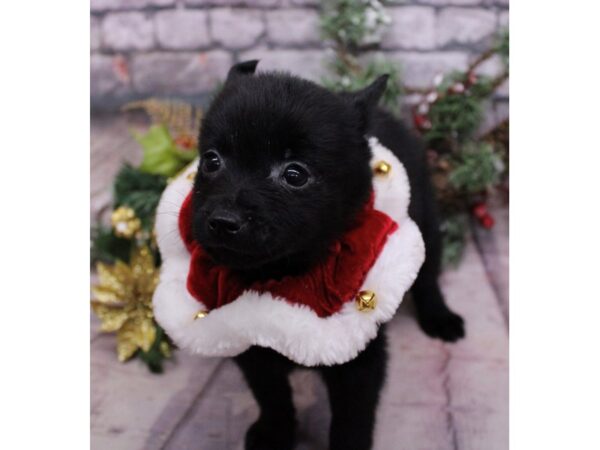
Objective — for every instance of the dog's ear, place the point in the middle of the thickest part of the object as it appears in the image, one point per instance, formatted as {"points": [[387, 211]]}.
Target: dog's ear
{"points": [[241, 69], [367, 98]]}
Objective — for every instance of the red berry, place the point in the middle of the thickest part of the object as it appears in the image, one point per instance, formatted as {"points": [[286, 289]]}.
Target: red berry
{"points": [[480, 210], [421, 122], [487, 221], [472, 78], [185, 141], [121, 68]]}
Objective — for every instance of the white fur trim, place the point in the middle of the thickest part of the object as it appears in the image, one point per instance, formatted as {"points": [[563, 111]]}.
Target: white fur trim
{"points": [[261, 319]]}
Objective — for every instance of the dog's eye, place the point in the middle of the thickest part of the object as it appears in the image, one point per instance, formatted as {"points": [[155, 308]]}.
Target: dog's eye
{"points": [[211, 162], [295, 175]]}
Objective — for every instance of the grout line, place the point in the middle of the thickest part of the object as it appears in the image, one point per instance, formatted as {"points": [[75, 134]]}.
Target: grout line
{"points": [[479, 245], [192, 405], [450, 425]]}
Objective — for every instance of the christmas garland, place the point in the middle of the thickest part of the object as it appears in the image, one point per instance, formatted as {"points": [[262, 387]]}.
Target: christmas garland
{"points": [[126, 254], [465, 168]]}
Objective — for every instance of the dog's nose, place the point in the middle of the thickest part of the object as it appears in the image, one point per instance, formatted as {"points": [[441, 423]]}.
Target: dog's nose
{"points": [[225, 222]]}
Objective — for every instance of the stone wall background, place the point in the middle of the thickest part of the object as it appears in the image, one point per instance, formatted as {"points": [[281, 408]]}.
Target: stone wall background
{"points": [[183, 48]]}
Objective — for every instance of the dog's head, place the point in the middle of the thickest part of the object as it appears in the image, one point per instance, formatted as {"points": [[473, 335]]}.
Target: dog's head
{"points": [[284, 168]]}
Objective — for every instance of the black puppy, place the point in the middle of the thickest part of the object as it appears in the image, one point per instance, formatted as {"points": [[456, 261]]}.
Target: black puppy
{"points": [[284, 170]]}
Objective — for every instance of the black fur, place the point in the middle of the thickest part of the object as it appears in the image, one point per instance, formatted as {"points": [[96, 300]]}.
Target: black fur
{"points": [[263, 136]]}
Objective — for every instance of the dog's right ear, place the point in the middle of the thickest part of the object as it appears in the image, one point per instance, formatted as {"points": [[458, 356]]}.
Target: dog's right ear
{"points": [[241, 69]]}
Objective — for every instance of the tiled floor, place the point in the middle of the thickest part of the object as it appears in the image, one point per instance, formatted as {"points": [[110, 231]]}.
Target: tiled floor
{"points": [[437, 396]]}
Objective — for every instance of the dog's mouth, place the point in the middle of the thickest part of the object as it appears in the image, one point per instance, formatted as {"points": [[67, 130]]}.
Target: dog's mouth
{"points": [[259, 249], [239, 258]]}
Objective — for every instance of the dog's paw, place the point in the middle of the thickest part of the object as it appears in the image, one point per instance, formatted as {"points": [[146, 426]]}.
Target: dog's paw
{"points": [[445, 325], [266, 436]]}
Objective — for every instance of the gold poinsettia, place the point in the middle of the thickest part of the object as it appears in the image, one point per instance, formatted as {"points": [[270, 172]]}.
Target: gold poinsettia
{"points": [[123, 301]]}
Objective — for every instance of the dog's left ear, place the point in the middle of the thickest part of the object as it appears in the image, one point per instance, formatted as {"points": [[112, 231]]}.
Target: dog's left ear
{"points": [[241, 69], [367, 98]]}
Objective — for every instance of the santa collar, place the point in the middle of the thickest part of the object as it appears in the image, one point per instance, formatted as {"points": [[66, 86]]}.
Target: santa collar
{"points": [[326, 316], [325, 288]]}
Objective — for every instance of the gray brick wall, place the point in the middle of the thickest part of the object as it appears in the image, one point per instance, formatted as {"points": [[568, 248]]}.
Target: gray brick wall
{"points": [[182, 48]]}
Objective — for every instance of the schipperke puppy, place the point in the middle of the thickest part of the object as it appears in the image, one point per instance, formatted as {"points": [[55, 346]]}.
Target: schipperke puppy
{"points": [[285, 168]]}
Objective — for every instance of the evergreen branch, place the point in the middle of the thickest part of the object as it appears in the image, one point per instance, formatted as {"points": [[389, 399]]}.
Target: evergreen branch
{"points": [[500, 48]]}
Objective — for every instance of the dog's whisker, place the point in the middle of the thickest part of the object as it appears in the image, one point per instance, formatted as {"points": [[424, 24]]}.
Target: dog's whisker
{"points": [[166, 237]]}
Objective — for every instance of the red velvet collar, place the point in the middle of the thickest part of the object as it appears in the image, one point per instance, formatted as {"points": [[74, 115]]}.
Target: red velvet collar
{"points": [[324, 289]]}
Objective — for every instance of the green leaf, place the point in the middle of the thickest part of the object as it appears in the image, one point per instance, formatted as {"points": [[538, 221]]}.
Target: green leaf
{"points": [[154, 357], [353, 23], [454, 116], [476, 168], [185, 155], [453, 228], [160, 154], [107, 247], [140, 191]]}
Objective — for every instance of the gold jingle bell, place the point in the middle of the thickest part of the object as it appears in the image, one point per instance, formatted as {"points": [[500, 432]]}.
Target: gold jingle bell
{"points": [[201, 314], [190, 176], [382, 168], [366, 301]]}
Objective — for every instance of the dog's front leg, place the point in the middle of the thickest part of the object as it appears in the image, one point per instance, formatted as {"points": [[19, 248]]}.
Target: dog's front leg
{"points": [[266, 373], [354, 390]]}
